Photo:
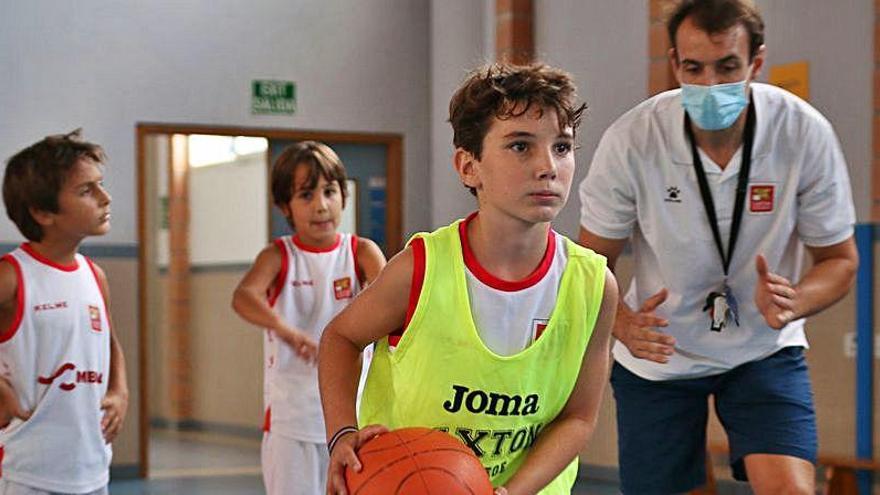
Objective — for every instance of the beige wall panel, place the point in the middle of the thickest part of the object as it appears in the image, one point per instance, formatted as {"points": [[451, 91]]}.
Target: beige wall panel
{"points": [[602, 449], [122, 276], [834, 376], [227, 355], [157, 326]]}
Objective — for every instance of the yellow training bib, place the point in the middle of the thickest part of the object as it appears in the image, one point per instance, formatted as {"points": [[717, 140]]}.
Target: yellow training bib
{"points": [[442, 376]]}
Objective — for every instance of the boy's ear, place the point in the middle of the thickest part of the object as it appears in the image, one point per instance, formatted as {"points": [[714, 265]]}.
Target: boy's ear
{"points": [[466, 165], [285, 210], [42, 217]]}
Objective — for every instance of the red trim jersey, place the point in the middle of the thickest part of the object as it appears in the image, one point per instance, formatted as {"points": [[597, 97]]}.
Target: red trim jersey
{"points": [[312, 287], [509, 315], [56, 355]]}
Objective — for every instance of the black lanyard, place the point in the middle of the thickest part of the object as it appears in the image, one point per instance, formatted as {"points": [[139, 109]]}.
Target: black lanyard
{"points": [[741, 185]]}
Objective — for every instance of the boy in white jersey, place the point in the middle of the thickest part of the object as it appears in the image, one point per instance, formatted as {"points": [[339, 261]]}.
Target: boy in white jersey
{"points": [[63, 391], [296, 285], [505, 323]]}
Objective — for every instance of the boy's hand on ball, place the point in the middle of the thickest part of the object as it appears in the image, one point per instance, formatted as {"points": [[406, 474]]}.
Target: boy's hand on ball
{"points": [[344, 455]]}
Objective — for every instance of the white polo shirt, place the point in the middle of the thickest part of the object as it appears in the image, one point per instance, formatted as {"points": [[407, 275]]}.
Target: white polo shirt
{"points": [[642, 186]]}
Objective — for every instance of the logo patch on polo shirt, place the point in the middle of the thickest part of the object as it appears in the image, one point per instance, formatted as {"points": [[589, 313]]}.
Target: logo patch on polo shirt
{"points": [[761, 198], [342, 288]]}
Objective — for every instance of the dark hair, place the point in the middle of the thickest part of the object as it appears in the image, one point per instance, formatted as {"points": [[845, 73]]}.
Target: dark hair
{"points": [[321, 160], [715, 16], [35, 175], [503, 91]]}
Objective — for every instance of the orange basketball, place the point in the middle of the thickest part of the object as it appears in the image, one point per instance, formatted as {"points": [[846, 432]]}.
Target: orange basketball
{"points": [[417, 461]]}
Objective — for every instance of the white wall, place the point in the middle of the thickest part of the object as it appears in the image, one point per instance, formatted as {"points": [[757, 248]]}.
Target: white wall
{"points": [[224, 231], [837, 39], [605, 46], [107, 65], [462, 34]]}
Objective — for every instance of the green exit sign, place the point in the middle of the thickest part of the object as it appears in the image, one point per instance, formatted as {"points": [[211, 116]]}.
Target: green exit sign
{"points": [[273, 97]]}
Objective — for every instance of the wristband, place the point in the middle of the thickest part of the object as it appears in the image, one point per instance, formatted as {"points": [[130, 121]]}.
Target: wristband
{"points": [[339, 433]]}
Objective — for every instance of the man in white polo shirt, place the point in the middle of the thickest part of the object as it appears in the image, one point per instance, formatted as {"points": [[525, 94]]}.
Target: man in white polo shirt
{"points": [[719, 187]]}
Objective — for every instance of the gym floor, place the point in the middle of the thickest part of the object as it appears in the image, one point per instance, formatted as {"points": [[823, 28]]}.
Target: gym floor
{"points": [[201, 464]]}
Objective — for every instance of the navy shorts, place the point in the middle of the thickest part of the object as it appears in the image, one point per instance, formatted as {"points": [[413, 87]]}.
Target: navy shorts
{"points": [[766, 407]]}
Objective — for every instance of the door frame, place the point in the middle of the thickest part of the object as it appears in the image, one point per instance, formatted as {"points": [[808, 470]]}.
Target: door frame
{"points": [[393, 220]]}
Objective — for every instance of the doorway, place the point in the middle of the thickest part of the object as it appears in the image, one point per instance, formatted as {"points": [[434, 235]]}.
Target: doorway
{"points": [[202, 218]]}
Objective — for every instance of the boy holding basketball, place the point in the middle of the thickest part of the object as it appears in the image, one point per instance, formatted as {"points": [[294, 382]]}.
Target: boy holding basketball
{"points": [[494, 329], [63, 392]]}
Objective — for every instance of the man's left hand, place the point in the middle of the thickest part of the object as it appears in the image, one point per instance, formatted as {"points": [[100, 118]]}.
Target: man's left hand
{"points": [[775, 296]]}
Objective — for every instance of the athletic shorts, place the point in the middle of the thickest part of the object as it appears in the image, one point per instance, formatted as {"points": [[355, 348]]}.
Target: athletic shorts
{"points": [[293, 467], [11, 488], [766, 407]]}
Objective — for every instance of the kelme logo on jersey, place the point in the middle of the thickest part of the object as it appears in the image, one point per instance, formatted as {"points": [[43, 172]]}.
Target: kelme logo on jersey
{"points": [[50, 306], [342, 288], [95, 317], [85, 376], [491, 403]]}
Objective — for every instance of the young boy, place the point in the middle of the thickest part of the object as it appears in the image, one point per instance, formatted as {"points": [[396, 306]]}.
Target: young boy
{"points": [[297, 284], [63, 391], [505, 322]]}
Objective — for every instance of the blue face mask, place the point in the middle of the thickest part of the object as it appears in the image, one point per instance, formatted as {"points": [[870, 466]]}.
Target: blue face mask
{"points": [[714, 107]]}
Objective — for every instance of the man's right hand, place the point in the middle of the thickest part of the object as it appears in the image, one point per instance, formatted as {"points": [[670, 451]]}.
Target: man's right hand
{"points": [[9, 405], [636, 330]]}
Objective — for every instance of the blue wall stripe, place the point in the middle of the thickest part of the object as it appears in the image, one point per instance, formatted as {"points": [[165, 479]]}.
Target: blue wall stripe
{"points": [[125, 471], [865, 236], [91, 250]]}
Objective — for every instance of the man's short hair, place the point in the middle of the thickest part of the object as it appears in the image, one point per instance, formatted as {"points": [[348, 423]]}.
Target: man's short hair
{"points": [[35, 175], [715, 16], [321, 161]]}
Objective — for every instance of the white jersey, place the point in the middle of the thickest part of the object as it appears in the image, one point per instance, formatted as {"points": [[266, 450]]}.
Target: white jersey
{"points": [[312, 287], [642, 186], [509, 315], [56, 355]]}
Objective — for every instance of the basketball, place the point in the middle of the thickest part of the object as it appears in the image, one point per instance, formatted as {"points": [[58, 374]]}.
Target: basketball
{"points": [[417, 461]]}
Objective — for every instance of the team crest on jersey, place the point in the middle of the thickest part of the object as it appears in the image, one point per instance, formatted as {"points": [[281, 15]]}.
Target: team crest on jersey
{"points": [[761, 198], [342, 288], [538, 327], [95, 317]]}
